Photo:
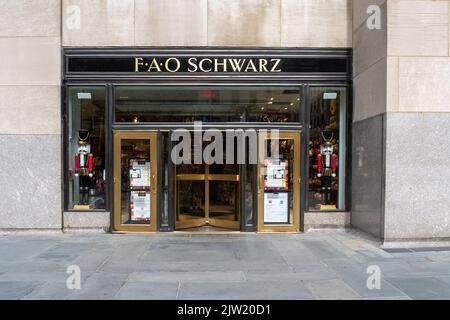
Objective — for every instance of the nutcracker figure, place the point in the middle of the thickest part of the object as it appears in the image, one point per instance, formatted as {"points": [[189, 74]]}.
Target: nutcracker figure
{"points": [[84, 166], [326, 166]]}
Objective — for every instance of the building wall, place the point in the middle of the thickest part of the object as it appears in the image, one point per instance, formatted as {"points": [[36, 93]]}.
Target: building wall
{"points": [[418, 119], [401, 114], [369, 107], [33, 33], [30, 64], [257, 23]]}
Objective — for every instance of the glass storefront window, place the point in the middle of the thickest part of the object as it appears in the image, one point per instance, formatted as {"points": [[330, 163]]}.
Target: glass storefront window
{"points": [[327, 148], [86, 149], [207, 104]]}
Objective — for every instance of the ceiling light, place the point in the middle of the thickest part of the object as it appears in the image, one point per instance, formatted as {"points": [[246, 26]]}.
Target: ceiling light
{"points": [[330, 95], [84, 95]]}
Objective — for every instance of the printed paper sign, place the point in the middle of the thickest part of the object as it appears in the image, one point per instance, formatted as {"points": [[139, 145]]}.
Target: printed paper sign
{"points": [[140, 205], [276, 175], [276, 207], [139, 173]]}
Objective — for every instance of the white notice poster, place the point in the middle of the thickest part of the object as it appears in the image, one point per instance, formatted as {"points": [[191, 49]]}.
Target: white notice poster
{"points": [[276, 207], [276, 175], [140, 206], [139, 173]]}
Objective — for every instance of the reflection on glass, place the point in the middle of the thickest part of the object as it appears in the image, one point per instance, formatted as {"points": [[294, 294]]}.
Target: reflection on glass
{"points": [[223, 200], [249, 187], [135, 181], [191, 199], [86, 149], [207, 104], [278, 182], [327, 149]]}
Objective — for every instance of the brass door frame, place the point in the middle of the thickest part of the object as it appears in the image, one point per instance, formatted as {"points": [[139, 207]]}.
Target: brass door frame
{"points": [[206, 220], [118, 137], [294, 226]]}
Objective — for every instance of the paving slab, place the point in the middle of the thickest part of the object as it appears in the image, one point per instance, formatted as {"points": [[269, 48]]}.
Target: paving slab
{"points": [[14, 290], [213, 276], [331, 290], [148, 291], [248, 290], [425, 288]]}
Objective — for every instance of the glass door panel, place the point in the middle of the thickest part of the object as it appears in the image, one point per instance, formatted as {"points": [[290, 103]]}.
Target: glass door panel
{"points": [[203, 198], [279, 182], [135, 181]]}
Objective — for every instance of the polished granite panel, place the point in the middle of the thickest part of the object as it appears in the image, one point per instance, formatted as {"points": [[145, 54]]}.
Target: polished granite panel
{"points": [[367, 175], [30, 180], [417, 176]]}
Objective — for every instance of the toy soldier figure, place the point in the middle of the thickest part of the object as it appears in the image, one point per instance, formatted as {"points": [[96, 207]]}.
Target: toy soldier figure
{"points": [[326, 166], [84, 165]]}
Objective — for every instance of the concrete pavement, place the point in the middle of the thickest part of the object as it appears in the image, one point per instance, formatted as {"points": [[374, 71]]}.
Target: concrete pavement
{"points": [[317, 265]]}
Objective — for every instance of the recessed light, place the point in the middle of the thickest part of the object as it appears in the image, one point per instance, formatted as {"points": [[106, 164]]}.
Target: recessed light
{"points": [[330, 95], [84, 95]]}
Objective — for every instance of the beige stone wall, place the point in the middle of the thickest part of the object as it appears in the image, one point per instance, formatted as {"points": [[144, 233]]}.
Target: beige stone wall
{"points": [[30, 104], [30, 76], [419, 50], [405, 66], [259, 23], [369, 62]]}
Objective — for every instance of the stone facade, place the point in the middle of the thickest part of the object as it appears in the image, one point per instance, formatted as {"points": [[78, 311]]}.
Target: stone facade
{"points": [[30, 104], [255, 23], [401, 108]]}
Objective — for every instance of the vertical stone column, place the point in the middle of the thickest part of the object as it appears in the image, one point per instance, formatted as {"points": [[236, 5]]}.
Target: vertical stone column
{"points": [[401, 152], [417, 204], [30, 134], [369, 109]]}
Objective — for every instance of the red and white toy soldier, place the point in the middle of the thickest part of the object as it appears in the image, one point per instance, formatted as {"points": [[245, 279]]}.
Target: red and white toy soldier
{"points": [[84, 165], [326, 166]]}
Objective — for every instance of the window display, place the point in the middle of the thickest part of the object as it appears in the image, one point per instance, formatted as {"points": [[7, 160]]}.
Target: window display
{"points": [[86, 156], [327, 149]]}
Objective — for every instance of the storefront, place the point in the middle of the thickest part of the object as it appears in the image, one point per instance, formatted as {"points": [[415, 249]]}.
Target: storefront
{"points": [[236, 139]]}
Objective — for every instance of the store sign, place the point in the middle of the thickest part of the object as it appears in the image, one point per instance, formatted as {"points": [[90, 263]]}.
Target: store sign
{"points": [[152, 63], [206, 65]]}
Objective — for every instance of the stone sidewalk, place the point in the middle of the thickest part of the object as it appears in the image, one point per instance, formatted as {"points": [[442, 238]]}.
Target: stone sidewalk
{"points": [[318, 265]]}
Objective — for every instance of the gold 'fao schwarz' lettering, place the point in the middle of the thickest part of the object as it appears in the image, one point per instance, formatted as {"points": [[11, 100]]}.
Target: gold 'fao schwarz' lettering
{"points": [[206, 65]]}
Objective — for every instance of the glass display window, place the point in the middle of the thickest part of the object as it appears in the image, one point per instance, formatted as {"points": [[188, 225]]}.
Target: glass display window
{"points": [[86, 148], [327, 148]]}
